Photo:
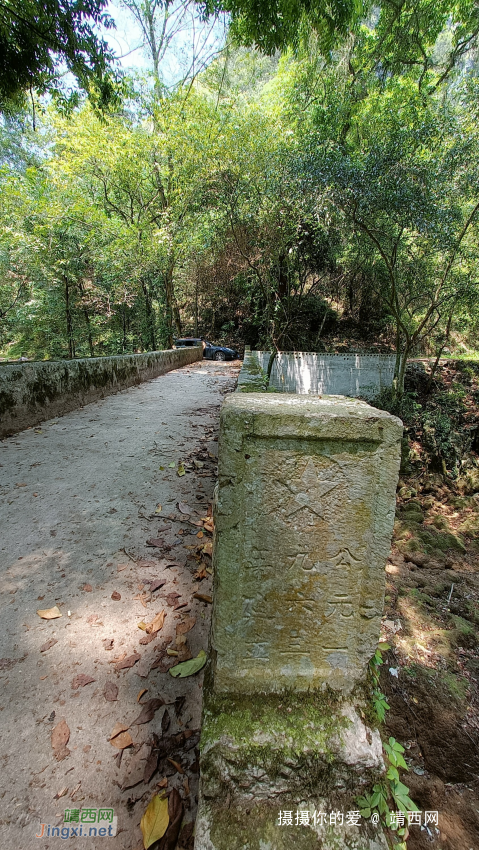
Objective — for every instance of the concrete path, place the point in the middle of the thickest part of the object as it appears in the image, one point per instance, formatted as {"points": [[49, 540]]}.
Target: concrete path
{"points": [[79, 498]]}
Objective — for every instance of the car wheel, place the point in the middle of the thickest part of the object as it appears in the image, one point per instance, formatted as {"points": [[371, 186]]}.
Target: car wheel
{"points": [[220, 355]]}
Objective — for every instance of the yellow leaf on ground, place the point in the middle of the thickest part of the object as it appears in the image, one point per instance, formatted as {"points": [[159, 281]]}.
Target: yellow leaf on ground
{"points": [[181, 470], [154, 822], [156, 624], [49, 613]]}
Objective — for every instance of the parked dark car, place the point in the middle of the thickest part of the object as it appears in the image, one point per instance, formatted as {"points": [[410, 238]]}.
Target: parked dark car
{"points": [[210, 351]]}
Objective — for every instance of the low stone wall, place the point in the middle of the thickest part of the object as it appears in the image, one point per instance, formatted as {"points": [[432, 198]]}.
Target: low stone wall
{"points": [[252, 377], [33, 392], [350, 375]]}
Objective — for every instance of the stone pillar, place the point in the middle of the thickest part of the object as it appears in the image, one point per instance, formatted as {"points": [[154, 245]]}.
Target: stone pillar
{"points": [[304, 517]]}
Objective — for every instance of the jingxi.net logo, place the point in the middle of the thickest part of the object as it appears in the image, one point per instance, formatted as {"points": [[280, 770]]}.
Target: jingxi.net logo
{"points": [[82, 823]]}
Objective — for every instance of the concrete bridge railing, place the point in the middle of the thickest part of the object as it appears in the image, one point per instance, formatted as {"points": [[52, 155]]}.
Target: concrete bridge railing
{"points": [[33, 392]]}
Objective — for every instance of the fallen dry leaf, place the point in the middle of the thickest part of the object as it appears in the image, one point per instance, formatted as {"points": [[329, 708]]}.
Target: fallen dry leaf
{"points": [[110, 691], [156, 584], [61, 793], [208, 548], [203, 597], [200, 534], [143, 598], [150, 767], [136, 768], [172, 597], [108, 644], [176, 765], [81, 680], [141, 693], [48, 644], [148, 711], [116, 596], [175, 813], [185, 626], [121, 567], [59, 740], [88, 588], [156, 624], [165, 721], [148, 638], [155, 542], [184, 508], [127, 662], [144, 563], [200, 574], [49, 613], [120, 737], [162, 783]]}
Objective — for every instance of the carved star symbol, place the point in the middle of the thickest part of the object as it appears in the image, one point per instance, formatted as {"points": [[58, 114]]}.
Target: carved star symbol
{"points": [[310, 492]]}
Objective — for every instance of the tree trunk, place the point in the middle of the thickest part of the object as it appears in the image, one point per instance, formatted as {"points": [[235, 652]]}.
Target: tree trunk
{"points": [[123, 319], [440, 350], [172, 310], [272, 358], [87, 319], [196, 303], [150, 318], [69, 322]]}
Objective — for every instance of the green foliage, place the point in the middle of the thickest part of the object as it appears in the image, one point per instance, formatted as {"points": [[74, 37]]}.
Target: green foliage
{"points": [[276, 24], [380, 704], [272, 200], [391, 790], [36, 38]]}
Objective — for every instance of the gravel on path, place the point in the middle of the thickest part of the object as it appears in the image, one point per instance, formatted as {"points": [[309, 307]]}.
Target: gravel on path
{"points": [[80, 496]]}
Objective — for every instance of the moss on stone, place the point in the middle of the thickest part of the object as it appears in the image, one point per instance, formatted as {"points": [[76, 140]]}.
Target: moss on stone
{"points": [[414, 537], [296, 719]]}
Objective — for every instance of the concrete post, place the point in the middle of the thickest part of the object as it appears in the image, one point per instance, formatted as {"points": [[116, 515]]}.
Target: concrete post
{"points": [[304, 517]]}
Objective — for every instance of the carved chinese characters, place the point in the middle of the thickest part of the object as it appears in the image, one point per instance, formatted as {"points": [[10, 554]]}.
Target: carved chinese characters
{"points": [[304, 518]]}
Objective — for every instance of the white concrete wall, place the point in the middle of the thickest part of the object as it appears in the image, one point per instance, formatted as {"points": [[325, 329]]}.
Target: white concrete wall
{"points": [[351, 375]]}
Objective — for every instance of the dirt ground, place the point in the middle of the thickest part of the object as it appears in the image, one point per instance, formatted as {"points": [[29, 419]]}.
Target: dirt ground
{"points": [[431, 673], [80, 498]]}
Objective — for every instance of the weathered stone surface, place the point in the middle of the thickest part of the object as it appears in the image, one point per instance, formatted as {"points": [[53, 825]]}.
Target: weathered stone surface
{"points": [[251, 378], [256, 828], [289, 752], [304, 517], [286, 747], [33, 392]]}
